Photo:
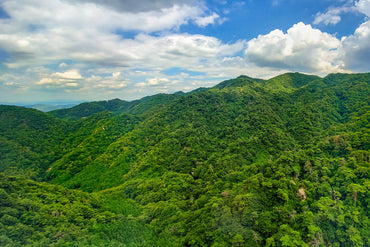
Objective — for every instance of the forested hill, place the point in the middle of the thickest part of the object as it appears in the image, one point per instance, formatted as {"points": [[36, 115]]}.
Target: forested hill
{"points": [[117, 106], [249, 162]]}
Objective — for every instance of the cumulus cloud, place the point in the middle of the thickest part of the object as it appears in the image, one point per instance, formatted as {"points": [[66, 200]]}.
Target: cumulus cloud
{"points": [[184, 47], [333, 14], [67, 79], [157, 81], [45, 81], [52, 83], [112, 82], [356, 49], [302, 48], [205, 21], [363, 6], [71, 84], [86, 32], [57, 13], [70, 74]]}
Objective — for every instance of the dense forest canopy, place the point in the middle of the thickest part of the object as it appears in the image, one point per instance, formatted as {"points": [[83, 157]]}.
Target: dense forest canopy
{"points": [[248, 162]]}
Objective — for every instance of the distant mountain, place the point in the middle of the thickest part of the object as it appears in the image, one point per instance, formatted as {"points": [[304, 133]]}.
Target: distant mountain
{"points": [[115, 106], [47, 107], [248, 162], [237, 82]]}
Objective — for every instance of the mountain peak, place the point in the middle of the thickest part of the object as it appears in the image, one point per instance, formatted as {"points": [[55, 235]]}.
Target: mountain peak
{"points": [[240, 81], [289, 81]]}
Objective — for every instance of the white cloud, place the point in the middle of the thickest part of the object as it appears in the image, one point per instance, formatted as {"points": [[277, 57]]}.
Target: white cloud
{"points": [[55, 83], [207, 20], [45, 81], [71, 84], [356, 49], [333, 15], [94, 79], [9, 79], [70, 74], [68, 79], [330, 17], [50, 31], [63, 65], [302, 48], [183, 47], [140, 84], [116, 74], [57, 14], [113, 82], [157, 81], [363, 6]]}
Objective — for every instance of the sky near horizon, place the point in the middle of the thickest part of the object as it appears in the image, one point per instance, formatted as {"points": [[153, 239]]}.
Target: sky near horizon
{"points": [[82, 50]]}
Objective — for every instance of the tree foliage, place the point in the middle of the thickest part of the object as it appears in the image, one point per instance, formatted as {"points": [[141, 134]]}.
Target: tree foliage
{"points": [[249, 162]]}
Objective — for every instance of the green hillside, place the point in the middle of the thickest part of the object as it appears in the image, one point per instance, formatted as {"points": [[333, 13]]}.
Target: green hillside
{"points": [[29, 139], [289, 81], [249, 162], [116, 106]]}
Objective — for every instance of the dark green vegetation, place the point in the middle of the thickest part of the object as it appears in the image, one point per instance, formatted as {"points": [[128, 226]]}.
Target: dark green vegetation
{"points": [[117, 106], [282, 162]]}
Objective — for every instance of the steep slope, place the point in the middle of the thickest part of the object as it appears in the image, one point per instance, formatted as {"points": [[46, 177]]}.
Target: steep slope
{"points": [[29, 139], [212, 118], [44, 215], [282, 162], [116, 106], [90, 138], [41, 214], [243, 163], [216, 118]]}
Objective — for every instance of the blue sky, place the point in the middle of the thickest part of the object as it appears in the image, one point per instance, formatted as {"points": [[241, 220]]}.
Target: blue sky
{"points": [[76, 50]]}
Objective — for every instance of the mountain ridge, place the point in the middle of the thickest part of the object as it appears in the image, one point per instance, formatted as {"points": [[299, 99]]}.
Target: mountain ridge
{"points": [[117, 105], [245, 163]]}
